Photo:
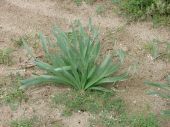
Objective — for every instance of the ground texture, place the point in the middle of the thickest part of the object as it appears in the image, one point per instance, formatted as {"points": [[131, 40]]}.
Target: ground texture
{"points": [[22, 17]]}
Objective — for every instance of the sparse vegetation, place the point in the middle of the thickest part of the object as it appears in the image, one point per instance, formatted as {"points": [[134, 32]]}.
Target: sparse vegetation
{"points": [[121, 54], [6, 56], [32, 39], [158, 49], [165, 93], [149, 120], [22, 123], [125, 120], [13, 96], [58, 124], [152, 48], [18, 42], [79, 2], [108, 110], [100, 9], [93, 102]]}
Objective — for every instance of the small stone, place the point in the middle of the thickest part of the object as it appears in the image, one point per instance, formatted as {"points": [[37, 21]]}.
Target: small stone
{"points": [[134, 102]]}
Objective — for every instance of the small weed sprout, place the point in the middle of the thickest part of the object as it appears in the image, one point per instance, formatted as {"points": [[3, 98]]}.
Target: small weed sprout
{"points": [[121, 55], [90, 1], [157, 10], [124, 120], [167, 52], [5, 56], [22, 123], [152, 48], [79, 2], [100, 9], [144, 121], [17, 42], [12, 96]]}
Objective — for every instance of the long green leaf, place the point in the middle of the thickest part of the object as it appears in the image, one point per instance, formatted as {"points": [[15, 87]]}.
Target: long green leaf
{"points": [[113, 79], [40, 80], [160, 85], [98, 88]]}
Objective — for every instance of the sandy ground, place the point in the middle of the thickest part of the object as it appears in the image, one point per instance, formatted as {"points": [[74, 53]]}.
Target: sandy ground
{"points": [[21, 17]]}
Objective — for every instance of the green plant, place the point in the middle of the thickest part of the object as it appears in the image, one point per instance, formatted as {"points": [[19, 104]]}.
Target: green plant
{"points": [[124, 120], [161, 7], [100, 9], [136, 8], [76, 64], [22, 123], [18, 41], [122, 55], [157, 10], [164, 94], [93, 102], [144, 121], [158, 49], [115, 1], [90, 1], [12, 95], [152, 48], [161, 20], [109, 120], [5, 56], [167, 52], [58, 124], [79, 2]]}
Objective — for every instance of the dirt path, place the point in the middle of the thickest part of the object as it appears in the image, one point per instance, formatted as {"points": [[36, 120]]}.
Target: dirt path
{"points": [[21, 17]]}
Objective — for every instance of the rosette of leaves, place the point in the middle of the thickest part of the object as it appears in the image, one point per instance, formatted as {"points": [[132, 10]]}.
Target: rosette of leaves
{"points": [[75, 64]]}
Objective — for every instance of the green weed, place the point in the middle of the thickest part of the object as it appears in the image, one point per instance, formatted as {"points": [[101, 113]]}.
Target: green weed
{"points": [[5, 56], [57, 124], [13, 96], [100, 9], [79, 2], [122, 55], [167, 51], [144, 121], [18, 42], [158, 49], [135, 8], [107, 120], [93, 102], [109, 37], [22, 123], [90, 1], [161, 21], [152, 48]]}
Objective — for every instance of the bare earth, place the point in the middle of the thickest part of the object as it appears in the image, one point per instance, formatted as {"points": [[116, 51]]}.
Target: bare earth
{"points": [[21, 17]]}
